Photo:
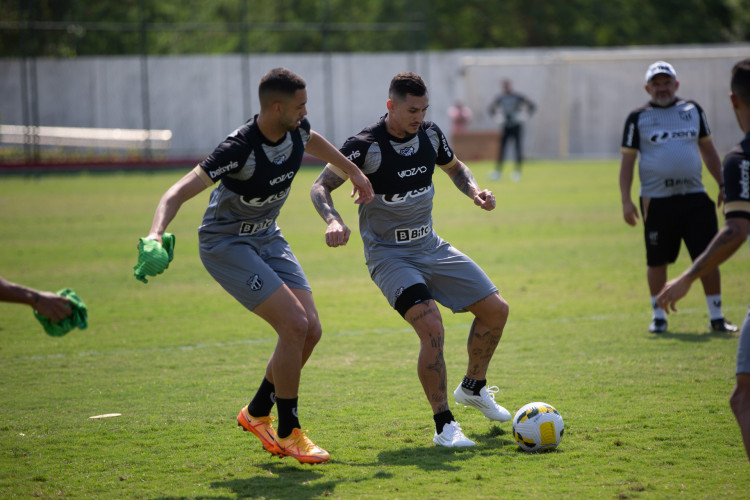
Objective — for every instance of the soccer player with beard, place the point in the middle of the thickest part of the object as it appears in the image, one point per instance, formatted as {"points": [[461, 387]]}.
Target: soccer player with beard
{"points": [[413, 267], [243, 249]]}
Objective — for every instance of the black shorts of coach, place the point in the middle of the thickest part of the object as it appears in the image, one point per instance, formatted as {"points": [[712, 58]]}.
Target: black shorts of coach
{"points": [[690, 218]]}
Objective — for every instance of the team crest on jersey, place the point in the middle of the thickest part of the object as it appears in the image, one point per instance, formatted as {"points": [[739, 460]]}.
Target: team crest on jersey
{"points": [[279, 160], [408, 151], [686, 115], [255, 283]]}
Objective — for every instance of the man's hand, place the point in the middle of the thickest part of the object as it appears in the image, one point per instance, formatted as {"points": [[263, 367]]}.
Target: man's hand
{"points": [[362, 188], [672, 292], [630, 212], [485, 199], [52, 306], [337, 234]]}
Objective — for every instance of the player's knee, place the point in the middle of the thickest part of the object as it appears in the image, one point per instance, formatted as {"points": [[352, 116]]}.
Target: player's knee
{"points": [[314, 332], [739, 401]]}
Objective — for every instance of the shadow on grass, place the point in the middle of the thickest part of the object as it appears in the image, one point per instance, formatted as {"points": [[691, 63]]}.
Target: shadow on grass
{"points": [[694, 336], [438, 458], [282, 482]]}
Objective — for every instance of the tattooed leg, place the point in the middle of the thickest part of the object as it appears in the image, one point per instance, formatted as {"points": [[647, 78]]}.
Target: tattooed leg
{"points": [[491, 314], [428, 323]]}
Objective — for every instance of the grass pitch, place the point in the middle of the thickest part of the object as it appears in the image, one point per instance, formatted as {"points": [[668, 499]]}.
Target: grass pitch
{"points": [[646, 416]]}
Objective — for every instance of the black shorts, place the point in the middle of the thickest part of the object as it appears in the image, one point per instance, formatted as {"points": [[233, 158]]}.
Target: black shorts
{"points": [[690, 218]]}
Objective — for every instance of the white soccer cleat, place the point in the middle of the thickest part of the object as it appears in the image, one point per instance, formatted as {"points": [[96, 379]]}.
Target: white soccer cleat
{"points": [[452, 437], [485, 402]]}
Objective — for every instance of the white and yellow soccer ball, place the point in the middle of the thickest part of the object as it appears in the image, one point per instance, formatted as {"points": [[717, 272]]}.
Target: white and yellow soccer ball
{"points": [[538, 426]]}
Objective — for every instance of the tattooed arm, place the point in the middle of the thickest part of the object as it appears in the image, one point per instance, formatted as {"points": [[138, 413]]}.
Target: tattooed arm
{"points": [[723, 246], [465, 182], [337, 233]]}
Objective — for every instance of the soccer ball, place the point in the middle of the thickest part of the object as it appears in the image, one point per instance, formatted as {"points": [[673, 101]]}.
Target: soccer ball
{"points": [[538, 426]]}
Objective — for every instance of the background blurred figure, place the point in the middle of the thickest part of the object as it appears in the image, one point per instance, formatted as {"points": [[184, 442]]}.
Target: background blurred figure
{"points": [[460, 115], [48, 304], [507, 109], [672, 137], [736, 174]]}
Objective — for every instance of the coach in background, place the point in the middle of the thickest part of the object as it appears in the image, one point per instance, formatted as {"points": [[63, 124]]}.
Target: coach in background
{"points": [[413, 267], [736, 174], [672, 136]]}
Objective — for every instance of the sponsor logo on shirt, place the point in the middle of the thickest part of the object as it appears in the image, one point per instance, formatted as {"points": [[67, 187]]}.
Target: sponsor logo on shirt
{"points": [[282, 178], [677, 182], [249, 228], [631, 131], [259, 202], [221, 170], [664, 136], [445, 146], [745, 179], [354, 155], [395, 199], [410, 234], [410, 172]]}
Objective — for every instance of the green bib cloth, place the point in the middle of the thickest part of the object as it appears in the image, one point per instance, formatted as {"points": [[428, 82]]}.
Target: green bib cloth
{"points": [[153, 258], [79, 318]]}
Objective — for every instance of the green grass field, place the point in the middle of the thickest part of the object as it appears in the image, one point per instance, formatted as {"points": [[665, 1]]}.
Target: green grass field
{"points": [[646, 416]]}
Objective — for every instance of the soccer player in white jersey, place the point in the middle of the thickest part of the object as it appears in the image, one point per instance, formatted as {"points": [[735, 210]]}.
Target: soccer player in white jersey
{"points": [[410, 263], [243, 249], [736, 174], [672, 136]]}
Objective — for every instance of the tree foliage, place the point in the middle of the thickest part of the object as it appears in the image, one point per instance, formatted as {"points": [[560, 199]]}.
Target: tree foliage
{"points": [[67, 28]]}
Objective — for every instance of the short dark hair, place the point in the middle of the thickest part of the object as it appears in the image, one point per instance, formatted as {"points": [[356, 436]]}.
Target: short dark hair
{"points": [[407, 83], [741, 80], [279, 81]]}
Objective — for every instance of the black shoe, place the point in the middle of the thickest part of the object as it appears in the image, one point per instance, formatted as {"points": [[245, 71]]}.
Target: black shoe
{"points": [[658, 326], [722, 325]]}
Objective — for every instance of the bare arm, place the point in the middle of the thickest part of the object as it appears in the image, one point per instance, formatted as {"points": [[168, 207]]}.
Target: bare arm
{"points": [[465, 182], [725, 243], [48, 304], [336, 231], [184, 189], [627, 166], [320, 148], [713, 164]]}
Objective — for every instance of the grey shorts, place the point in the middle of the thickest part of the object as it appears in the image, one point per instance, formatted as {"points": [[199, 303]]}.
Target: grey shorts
{"points": [[743, 347], [251, 268], [453, 279]]}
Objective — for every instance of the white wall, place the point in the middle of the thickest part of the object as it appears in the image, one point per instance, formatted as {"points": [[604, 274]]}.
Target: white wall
{"points": [[583, 95]]}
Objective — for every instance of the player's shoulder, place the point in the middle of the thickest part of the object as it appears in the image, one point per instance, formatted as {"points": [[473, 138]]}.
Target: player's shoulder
{"points": [[738, 155], [635, 113], [430, 126]]}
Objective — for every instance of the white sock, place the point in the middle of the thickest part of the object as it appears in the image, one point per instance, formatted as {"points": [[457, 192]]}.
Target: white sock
{"points": [[658, 311], [714, 306]]}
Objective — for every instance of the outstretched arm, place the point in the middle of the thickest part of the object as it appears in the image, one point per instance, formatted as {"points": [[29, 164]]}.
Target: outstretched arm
{"points": [[320, 148], [465, 182], [723, 246], [337, 233], [48, 304]]}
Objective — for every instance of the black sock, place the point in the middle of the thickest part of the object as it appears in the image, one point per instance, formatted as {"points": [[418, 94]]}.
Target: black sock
{"points": [[288, 419], [442, 418], [473, 385], [264, 399]]}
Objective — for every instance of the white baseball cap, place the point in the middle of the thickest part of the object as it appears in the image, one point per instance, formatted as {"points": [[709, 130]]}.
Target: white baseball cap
{"points": [[658, 68]]}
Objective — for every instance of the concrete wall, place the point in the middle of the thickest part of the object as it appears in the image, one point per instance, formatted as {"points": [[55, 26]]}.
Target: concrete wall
{"points": [[583, 95]]}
